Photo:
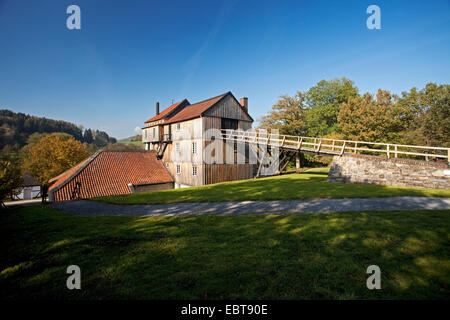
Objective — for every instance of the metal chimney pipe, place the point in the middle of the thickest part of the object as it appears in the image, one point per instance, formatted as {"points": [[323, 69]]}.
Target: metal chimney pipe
{"points": [[157, 108]]}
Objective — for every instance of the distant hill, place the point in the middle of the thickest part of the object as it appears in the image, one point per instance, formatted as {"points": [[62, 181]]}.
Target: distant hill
{"points": [[15, 128], [132, 138]]}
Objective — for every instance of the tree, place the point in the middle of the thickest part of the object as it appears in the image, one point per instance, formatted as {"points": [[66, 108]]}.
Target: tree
{"points": [[324, 100], [428, 113], [52, 155], [10, 178], [101, 138], [88, 136], [364, 118], [287, 115], [436, 125]]}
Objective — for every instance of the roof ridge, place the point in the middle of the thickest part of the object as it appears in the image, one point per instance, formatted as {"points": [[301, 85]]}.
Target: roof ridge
{"points": [[220, 95]]}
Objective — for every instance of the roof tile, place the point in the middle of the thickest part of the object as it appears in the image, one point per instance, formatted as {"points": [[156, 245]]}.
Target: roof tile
{"points": [[109, 173]]}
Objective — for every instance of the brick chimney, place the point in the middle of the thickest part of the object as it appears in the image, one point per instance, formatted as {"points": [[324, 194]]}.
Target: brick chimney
{"points": [[244, 103], [157, 108]]}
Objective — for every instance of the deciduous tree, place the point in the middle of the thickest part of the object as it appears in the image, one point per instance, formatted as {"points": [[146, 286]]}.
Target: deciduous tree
{"points": [[52, 155], [324, 100], [287, 115]]}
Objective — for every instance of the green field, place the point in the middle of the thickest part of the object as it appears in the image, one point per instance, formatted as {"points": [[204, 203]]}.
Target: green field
{"points": [[310, 184], [137, 143], [309, 256]]}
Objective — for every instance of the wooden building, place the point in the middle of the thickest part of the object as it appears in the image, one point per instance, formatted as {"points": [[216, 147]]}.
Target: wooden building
{"points": [[187, 138]]}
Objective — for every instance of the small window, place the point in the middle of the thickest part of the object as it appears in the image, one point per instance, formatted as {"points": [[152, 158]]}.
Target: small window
{"points": [[154, 132], [194, 147], [194, 170], [178, 126], [177, 147], [145, 134], [178, 169]]}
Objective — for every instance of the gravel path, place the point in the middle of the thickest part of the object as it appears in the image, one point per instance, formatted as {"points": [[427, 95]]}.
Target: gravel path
{"points": [[84, 207]]}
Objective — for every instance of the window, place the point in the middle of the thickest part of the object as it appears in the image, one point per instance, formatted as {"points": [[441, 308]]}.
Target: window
{"points": [[177, 147], [145, 134], [178, 126], [194, 147], [178, 169], [194, 170], [154, 130]]}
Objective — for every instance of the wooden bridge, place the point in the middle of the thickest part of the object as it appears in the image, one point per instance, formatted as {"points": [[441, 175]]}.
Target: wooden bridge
{"points": [[335, 147]]}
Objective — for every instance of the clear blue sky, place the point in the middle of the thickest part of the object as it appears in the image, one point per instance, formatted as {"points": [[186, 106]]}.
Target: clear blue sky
{"points": [[130, 54]]}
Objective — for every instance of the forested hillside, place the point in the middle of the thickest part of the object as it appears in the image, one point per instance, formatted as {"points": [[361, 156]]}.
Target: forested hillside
{"points": [[16, 128]]}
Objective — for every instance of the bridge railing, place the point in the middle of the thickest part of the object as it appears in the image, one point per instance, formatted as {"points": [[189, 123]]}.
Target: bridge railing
{"points": [[328, 146]]}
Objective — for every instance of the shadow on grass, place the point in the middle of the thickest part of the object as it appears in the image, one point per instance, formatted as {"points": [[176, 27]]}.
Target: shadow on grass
{"points": [[313, 256]]}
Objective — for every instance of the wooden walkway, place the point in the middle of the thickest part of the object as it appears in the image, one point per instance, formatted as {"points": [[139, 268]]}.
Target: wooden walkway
{"points": [[333, 147]]}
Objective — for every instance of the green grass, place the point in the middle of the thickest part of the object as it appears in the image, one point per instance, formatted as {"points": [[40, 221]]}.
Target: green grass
{"points": [[311, 184], [137, 143], [310, 256]]}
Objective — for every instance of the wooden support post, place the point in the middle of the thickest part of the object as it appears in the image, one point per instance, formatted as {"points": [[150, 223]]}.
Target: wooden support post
{"points": [[300, 141], [320, 144], [332, 147], [261, 163], [298, 164], [343, 149], [388, 152], [356, 146], [284, 139], [396, 151]]}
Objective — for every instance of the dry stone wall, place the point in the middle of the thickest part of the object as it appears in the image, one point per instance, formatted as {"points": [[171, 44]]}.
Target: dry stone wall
{"points": [[392, 172]]}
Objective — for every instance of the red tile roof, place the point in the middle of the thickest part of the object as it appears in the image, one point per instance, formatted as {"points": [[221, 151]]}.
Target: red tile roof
{"points": [[195, 110], [109, 173], [165, 112]]}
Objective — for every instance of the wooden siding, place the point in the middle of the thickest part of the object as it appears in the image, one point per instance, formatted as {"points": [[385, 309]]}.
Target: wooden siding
{"points": [[153, 187], [228, 108], [150, 137], [185, 176], [214, 173], [188, 129]]}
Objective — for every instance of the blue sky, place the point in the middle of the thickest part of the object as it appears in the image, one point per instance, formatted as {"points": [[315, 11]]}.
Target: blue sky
{"points": [[130, 54]]}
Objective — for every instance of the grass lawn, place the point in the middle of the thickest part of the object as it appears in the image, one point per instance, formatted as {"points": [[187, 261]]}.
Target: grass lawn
{"points": [[311, 184], [310, 256], [136, 143]]}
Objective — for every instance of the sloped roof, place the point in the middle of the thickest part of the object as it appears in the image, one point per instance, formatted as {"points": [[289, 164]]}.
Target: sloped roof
{"points": [[109, 173], [195, 110], [166, 111], [29, 180]]}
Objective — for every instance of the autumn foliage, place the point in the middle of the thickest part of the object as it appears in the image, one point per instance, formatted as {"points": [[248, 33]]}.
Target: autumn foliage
{"points": [[52, 155]]}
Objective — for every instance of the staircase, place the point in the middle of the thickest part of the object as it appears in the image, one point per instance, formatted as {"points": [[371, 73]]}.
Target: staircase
{"points": [[161, 148]]}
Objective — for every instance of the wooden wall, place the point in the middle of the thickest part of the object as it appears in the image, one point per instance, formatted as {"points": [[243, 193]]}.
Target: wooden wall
{"points": [[153, 187], [228, 108], [214, 173], [150, 137]]}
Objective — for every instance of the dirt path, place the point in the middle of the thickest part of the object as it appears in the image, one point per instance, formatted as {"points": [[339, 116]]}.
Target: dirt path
{"points": [[84, 207]]}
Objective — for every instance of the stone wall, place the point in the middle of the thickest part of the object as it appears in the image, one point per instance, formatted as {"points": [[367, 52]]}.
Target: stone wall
{"points": [[392, 172]]}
